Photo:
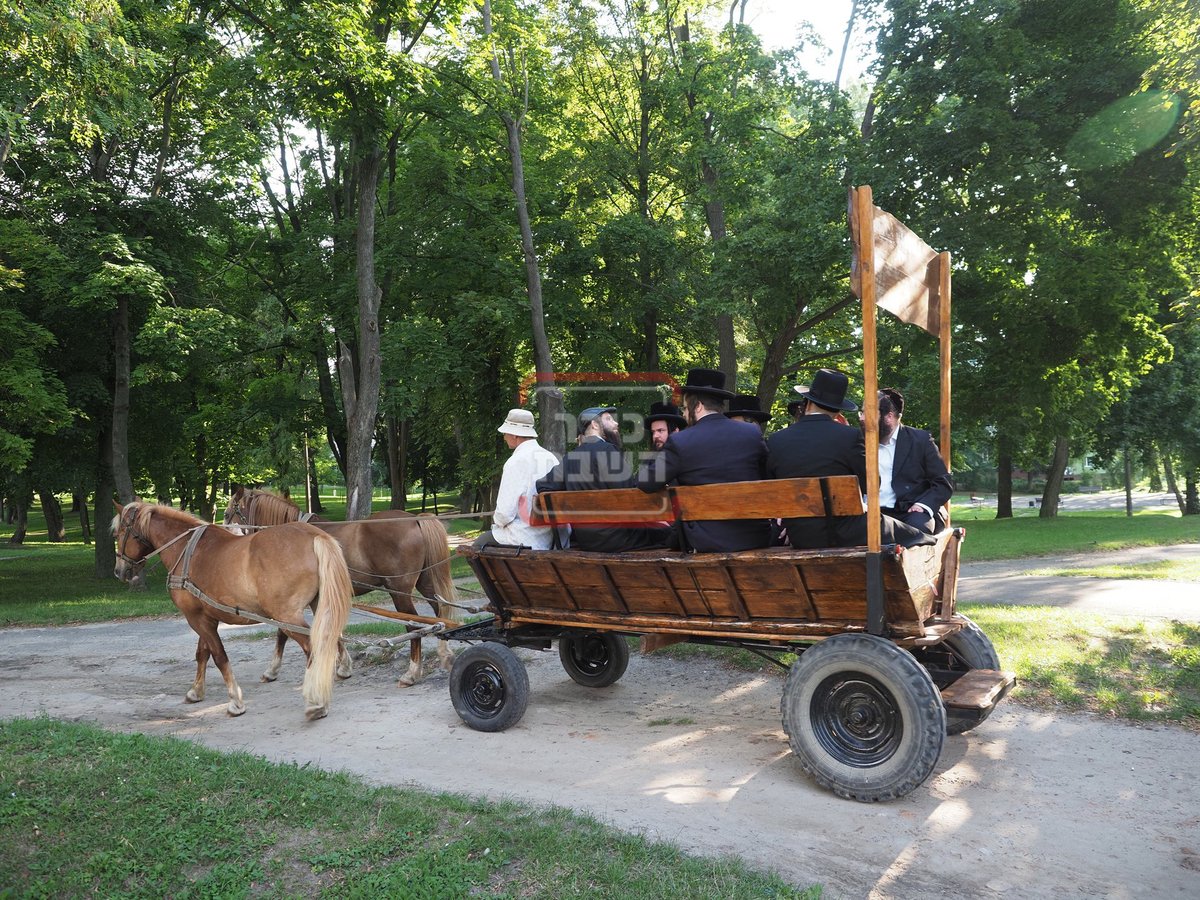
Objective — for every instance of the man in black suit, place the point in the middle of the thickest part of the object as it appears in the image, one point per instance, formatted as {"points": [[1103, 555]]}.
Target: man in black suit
{"points": [[711, 450], [816, 445], [914, 484], [597, 463]]}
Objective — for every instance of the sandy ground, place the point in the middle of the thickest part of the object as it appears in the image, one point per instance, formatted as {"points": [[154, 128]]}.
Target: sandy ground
{"points": [[1029, 805]]}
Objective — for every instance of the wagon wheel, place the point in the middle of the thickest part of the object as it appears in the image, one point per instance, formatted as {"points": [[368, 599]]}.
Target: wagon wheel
{"points": [[863, 717], [970, 649], [594, 658], [489, 687]]}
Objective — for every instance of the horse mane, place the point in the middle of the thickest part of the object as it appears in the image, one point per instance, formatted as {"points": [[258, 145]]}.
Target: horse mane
{"points": [[146, 510], [272, 509]]}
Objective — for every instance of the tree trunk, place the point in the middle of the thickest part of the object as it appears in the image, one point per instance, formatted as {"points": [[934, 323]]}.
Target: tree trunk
{"points": [[1192, 505], [550, 402], [361, 402], [21, 507], [85, 525], [1054, 479], [120, 415], [56, 531], [1172, 484], [397, 454], [1156, 483], [106, 550], [314, 486], [1003, 478], [1128, 483]]}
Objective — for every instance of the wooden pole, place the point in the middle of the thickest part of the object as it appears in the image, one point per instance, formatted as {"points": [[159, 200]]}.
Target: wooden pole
{"points": [[865, 248], [944, 350]]}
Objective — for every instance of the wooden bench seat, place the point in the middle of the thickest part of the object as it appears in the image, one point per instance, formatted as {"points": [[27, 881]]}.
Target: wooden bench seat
{"points": [[783, 498]]}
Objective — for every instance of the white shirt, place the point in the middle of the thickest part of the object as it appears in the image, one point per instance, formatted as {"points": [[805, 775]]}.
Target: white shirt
{"points": [[887, 459], [529, 462]]}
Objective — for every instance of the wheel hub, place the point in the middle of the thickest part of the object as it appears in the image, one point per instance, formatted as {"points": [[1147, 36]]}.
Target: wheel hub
{"points": [[856, 720]]}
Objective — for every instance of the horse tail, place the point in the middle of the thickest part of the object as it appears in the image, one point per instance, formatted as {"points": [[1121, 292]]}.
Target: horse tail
{"points": [[437, 566], [329, 619]]}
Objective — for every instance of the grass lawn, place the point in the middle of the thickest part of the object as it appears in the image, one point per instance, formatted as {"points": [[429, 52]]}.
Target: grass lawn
{"points": [[87, 813]]}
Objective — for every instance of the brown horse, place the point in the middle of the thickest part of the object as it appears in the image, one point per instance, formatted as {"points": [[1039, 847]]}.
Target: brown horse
{"points": [[274, 574], [393, 551]]}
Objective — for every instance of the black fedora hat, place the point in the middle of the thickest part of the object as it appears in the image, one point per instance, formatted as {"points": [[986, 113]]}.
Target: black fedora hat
{"points": [[665, 412], [828, 390], [706, 381], [794, 402], [747, 406]]}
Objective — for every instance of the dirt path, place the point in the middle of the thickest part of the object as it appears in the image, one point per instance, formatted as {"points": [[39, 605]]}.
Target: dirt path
{"points": [[1030, 805]]}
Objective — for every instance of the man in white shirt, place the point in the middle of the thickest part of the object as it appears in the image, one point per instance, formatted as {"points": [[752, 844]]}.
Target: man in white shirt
{"points": [[529, 462], [913, 482]]}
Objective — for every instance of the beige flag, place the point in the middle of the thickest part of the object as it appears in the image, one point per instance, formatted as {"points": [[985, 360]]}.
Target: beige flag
{"points": [[906, 272]]}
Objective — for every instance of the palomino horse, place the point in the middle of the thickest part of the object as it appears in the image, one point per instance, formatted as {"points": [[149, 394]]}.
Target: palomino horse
{"points": [[216, 575], [393, 551]]}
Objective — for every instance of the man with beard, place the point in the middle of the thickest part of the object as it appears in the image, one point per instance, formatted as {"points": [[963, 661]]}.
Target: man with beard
{"points": [[597, 463], [914, 485], [664, 420], [816, 445]]}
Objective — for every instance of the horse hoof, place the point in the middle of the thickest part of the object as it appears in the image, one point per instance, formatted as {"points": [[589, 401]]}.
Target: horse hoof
{"points": [[405, 682], [235, 710], [193, 697], [267, 678], [312, 713]]}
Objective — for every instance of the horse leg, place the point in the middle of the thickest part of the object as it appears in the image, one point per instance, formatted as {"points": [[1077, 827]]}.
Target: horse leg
{"points": [[196, 694], [277, 660], [207, 629], [401, 593], [345, 665]]}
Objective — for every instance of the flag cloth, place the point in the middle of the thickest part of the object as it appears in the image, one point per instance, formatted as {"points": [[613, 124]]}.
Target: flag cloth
{"points": [[906, 271]]}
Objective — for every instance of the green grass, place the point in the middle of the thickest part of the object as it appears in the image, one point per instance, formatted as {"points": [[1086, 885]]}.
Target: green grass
{"points": [[1083, 532], [1162, 570], [1121, 666], [88, 813]]}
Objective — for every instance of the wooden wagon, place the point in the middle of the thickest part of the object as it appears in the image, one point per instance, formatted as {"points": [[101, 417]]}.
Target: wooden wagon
{"points": [[876, 683], [884, 666]]}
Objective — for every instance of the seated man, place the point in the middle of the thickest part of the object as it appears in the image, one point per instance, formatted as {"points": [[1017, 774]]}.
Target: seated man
{"points": [[597, 463], [914, 484], [711, 450], [746, 408], [815, 445], [529, 462]]}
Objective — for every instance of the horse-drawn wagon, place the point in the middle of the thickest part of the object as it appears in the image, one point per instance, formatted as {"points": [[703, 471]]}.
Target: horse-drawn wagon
{"points": [[881, 666]]}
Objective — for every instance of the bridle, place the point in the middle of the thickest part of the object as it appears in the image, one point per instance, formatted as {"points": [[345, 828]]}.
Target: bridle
{"points": [[128, 529], [235, 510]]}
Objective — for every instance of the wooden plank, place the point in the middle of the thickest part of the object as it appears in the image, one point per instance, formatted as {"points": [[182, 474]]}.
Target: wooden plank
{"points": [[619, 506], [978, 689], [949, 586], [634, 624], [645, 590], [783, 498]]}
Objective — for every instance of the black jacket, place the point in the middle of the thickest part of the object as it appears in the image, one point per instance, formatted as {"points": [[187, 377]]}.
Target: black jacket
{"points": [[918, 473], [814, 446], [595, 464], [713, 451]]}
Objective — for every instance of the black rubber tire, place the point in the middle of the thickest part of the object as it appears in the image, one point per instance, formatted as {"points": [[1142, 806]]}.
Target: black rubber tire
{"points": [[973, 650], [594, 658], [489, 687], [863, 717]]}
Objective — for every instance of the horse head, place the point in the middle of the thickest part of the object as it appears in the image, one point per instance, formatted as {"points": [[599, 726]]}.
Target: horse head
{"points": [[132, 545], [237, 511]]}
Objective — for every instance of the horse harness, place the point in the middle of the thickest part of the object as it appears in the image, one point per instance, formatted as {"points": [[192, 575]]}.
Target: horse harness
{"points": [[183, 581]]}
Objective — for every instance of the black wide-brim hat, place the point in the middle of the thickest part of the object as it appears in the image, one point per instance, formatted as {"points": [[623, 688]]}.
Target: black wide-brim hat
{"points": [[747, 406], [828, 390], [665, 412], [706, 381]]}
